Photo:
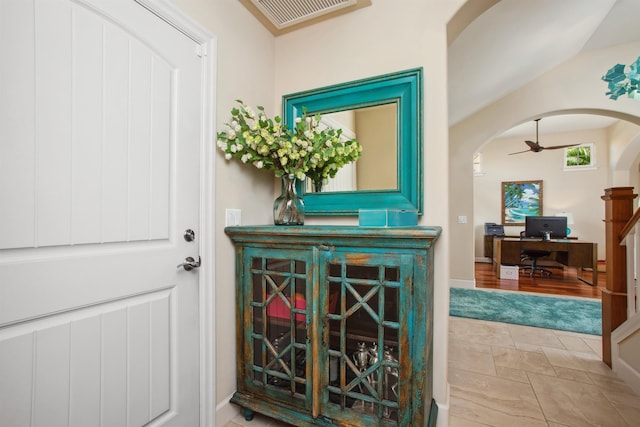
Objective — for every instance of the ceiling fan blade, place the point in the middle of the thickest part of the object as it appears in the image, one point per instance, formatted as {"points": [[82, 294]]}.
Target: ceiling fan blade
{"points": [[555, 147], [519, 152], [534, 146]]}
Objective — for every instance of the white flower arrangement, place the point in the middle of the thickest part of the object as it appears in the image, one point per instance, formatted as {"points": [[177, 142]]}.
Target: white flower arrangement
{"points": [[306, 150]]}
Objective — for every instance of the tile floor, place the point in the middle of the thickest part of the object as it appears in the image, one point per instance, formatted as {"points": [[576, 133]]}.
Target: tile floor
{"points": [[510, 375]]}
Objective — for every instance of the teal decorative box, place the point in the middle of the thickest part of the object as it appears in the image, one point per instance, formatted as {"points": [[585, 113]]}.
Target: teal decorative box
{"points": [[387, 218]]}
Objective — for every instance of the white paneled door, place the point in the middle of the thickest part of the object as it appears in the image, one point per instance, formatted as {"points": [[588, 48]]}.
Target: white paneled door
{"points": [[100, 135]]}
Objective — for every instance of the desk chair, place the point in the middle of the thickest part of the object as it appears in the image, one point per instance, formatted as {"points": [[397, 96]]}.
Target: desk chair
{"points": [[533, 255]]}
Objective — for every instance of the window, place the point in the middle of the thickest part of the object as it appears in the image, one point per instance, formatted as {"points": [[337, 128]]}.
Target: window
{"points": [[580, 157], [477, 164]]}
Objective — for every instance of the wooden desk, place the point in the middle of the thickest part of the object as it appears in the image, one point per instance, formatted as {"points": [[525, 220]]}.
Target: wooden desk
{"points": [[572, 253], [488, 244]]}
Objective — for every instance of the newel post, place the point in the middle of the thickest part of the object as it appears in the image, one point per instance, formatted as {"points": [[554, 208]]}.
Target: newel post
{"points": [[618, 210]]}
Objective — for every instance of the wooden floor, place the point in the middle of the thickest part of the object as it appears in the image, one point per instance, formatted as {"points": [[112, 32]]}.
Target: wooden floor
{"points": [[563, 281]]}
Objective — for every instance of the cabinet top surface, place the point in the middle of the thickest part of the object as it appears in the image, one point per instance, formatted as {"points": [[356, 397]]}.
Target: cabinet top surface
{"points": [[332, 232]]}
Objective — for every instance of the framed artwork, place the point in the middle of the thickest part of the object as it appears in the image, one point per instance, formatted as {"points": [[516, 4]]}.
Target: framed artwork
{"points": [[580, 157], [520, 199]]}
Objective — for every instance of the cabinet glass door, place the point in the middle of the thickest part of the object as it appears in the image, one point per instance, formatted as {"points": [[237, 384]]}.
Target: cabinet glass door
{"points": [[366, 316], [276, 342]]}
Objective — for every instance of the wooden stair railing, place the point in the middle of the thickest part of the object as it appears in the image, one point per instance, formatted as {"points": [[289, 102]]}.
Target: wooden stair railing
{"points": [[629, 226], [630, 238], [618, 213]]}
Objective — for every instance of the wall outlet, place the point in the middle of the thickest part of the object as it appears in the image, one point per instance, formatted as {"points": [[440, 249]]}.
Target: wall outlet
{"points": [[462, 219], [233, 217]]}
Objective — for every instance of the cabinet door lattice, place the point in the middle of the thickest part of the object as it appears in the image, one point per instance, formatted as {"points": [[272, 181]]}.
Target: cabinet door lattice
{"points": [[276, 325], [366, 363]]}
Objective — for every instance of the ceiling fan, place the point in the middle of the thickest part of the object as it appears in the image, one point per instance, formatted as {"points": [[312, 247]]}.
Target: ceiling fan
{"points": [[536, 147]]}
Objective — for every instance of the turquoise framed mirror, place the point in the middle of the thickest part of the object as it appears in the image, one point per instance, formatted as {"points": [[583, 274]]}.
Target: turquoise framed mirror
{"points": [[384, 113]]}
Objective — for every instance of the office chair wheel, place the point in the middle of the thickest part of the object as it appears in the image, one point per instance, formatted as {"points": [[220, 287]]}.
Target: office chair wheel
{"points": [[533, 255], [544, 271], [531, 271]]}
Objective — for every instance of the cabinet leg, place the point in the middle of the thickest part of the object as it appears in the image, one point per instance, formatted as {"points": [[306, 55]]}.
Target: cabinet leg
{"points": [[248, 414]]}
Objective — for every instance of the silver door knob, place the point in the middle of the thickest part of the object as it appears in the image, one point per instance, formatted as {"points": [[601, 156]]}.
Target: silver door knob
{"points": [[189, 235], [190, 263]]}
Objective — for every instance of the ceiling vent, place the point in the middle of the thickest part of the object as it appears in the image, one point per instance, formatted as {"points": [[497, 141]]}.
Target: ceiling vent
{"points": [[281, 16]]}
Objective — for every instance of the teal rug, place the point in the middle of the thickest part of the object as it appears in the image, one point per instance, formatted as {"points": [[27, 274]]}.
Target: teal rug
{"points": [[561, 313]]}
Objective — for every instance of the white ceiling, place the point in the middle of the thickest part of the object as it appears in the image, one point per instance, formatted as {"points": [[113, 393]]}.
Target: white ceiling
{"points": [[556, 124], [516, 41]]}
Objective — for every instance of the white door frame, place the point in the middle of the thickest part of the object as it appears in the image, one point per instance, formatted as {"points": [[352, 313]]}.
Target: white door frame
{"points": [[208, 44]]}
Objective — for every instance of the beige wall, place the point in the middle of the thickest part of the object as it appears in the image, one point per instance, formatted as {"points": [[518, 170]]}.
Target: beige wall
{"points": [[576, 191], [624, 143], [630, 349], [376, 130]]}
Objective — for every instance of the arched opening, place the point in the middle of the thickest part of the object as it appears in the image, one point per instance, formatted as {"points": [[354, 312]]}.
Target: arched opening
{"points": [[614, 142], [554, 93]]}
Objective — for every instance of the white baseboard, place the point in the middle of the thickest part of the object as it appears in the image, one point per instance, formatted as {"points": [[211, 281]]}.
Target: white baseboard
{"points": [[484, 259], [226, 411], [460, 283], [622, 369], [443, 410], [625, 372]]}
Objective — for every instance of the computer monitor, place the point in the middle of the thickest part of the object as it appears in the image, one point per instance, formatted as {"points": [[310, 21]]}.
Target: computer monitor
{"points": [[537, 226]]}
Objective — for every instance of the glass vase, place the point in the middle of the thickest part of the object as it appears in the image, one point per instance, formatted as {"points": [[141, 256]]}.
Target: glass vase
{"points": [[317, 186], [288, 208]]}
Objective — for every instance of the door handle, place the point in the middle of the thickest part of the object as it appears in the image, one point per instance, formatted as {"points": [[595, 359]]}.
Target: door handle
{"points": [[189, 264]]}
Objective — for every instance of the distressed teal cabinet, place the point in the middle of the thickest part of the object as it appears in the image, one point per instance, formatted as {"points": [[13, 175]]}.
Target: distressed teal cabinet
{"points": [[334, 324]]}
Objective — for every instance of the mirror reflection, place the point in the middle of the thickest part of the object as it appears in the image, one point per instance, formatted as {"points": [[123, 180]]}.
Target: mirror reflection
{"points": [[384, 113], [376, 129]]}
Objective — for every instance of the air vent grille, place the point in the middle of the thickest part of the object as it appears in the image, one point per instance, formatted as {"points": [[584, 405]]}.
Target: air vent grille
{"points": [[284, 13]]}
